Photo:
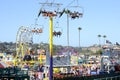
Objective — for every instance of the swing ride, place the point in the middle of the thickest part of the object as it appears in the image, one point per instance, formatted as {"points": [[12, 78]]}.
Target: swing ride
{"points": [[75, 14], [74, 10], [38, 30], [47, 13], [51, 14], [24, 38], [57, 32]]}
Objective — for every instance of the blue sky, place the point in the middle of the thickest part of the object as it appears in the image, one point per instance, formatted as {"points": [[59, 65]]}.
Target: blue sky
{"points": [[100, 17]]}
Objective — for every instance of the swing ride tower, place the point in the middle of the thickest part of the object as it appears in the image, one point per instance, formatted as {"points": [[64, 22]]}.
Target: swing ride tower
{"points": [[50, 14], [73, 11], [54, 13]]}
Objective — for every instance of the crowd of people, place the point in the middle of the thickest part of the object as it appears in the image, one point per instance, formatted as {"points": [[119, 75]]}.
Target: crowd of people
{"points": [[82, 70]]}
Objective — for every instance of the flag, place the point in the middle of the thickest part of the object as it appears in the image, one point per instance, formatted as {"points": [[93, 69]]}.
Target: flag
{"points": [[108, 42], [117, 44]]}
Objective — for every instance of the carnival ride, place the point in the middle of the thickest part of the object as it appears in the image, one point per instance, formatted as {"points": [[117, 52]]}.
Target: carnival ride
{"points": [[57, 31], [24, 42], [24, 38], [50, 12]]}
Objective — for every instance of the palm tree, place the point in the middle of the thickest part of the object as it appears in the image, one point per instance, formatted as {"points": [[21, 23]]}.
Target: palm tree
{"points": [[104, 38], [99, 36], [79, 28]]}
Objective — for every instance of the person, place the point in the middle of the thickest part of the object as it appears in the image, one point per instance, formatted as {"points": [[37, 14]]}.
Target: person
{"points": [[112, 69], [27, 57], [40, 68], [98, 70], [88, 71], [40, 71], [46, 70], [26, 65]]}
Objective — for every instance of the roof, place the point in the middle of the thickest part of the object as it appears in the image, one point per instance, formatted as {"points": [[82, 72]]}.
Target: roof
{"points": [[58, 61], [3, 65]]}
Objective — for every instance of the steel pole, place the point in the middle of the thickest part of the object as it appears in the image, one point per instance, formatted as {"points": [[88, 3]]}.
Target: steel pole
{"points": [[68, 30], [79, 38], [51, 47]]}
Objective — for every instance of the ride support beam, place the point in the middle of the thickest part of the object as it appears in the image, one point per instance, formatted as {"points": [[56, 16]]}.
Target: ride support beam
{"points": [[51, 47]]}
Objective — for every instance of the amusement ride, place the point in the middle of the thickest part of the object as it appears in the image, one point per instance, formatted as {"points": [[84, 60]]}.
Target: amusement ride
{"points": [[24, 42], [57, 31], [24, 38]]}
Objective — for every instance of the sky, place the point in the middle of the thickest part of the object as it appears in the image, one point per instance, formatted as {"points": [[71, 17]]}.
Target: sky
{"points": [[99, 17]]}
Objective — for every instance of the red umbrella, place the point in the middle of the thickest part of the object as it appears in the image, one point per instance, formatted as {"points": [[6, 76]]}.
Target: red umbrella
{"points": [[1, 66]]}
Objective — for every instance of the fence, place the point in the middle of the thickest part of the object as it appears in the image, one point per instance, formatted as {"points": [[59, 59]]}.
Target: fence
{"points": [[13, 74], [110, 78]]}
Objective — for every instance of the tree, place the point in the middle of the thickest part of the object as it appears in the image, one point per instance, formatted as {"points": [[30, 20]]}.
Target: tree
{"points": [[99, 36], [99, 52], [104, 38], [2, 47]]}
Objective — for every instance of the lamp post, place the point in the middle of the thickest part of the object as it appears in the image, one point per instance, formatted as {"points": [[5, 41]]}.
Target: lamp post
{"points": [[79, 28]]}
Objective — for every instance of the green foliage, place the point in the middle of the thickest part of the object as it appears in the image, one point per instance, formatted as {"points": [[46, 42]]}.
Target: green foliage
{"points": [[99, 52], [11, 47]]}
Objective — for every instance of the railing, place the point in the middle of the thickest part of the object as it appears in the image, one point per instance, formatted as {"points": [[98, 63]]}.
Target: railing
{"points": [[110, 78], [14, 74]]}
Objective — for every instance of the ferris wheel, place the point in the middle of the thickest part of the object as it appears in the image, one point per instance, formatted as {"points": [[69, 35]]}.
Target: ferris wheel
{"points": [[24, 40]]}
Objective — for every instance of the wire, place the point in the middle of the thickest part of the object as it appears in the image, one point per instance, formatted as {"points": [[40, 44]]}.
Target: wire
{"points": [[53, 1], [69, 4], [43, 4], [75, 2]]}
